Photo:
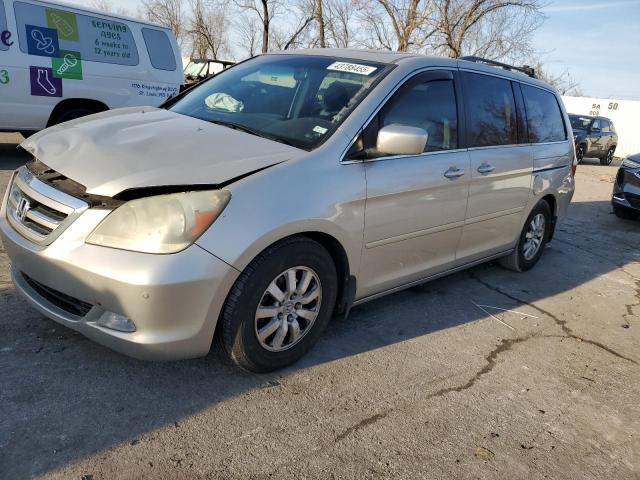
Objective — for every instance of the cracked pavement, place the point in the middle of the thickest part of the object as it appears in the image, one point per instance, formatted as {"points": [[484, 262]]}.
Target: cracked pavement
{"points": [[434, 382]]}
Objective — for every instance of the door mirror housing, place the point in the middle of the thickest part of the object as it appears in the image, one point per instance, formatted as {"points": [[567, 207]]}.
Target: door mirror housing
{"points": [[396, 139]]}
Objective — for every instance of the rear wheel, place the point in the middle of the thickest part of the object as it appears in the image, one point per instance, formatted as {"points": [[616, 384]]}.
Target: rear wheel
{"points": [[580, 153], [279, 305], [625, 213], [532, 241], [608, 158]]}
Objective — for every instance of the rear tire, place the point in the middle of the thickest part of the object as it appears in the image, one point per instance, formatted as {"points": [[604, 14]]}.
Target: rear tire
{"points": [[625, 213], [580, 151], [532, 241], [261, 332], [608, 158]]}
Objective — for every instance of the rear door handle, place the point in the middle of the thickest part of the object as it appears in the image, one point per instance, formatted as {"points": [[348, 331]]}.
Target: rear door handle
{"points": [[454, 172], [486, 168]]}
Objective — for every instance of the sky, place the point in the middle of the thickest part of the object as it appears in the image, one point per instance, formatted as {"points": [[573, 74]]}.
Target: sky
{"points": [[596, 41]]}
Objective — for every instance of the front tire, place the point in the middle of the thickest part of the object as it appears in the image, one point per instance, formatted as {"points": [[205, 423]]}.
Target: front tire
{"points": [[279, 306], [625, 213], [533, 239], [580, 153], [72, 114]]}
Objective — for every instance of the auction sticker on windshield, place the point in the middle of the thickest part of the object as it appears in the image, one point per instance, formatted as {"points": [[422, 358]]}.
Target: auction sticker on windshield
{"points": [[352, 68]]}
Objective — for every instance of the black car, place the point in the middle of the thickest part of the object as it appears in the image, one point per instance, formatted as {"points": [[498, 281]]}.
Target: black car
{"points": [[594, 137], [626, 190]]}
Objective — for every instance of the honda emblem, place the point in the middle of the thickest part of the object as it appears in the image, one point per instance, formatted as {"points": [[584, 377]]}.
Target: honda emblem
{"points": [[22, 208]]}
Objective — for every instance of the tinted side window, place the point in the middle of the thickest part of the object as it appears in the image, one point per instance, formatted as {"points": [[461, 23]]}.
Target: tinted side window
{"points": [[56, 33], [544, 117], [491, 111], [159, 48], [605, 126], [595, 125], [3, 25], [429, 105]]}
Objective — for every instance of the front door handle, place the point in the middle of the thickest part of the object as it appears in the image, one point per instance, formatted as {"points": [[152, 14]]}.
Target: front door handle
{"points": [[454, 172], [486, 168]]}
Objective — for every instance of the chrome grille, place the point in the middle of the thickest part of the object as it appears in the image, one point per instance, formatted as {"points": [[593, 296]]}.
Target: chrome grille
{"points": [[38, 211]]}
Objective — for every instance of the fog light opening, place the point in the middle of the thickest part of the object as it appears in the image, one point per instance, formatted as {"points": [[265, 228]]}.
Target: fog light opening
{"points": [[114, 321]]}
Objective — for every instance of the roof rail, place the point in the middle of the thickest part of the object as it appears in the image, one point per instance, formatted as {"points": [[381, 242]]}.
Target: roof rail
{"points": [[526, 69]]}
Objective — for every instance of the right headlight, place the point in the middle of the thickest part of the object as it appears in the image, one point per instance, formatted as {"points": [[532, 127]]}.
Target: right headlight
{"points": [[162, 223], [628, 163]]}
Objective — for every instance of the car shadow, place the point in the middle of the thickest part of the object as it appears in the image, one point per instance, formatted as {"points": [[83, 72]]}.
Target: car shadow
{"points": [[64, 398]]}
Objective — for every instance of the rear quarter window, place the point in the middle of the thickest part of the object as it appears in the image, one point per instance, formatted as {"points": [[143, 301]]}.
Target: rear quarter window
{"points": [[159, 47], [544, 117], [3, 25], [55, 32]]}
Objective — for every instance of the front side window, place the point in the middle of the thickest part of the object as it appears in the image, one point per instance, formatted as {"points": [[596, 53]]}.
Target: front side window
{"points": [[595, 126], [74, 37], [429, 105], [544, 117], [3, 25], [491, 111], [294, 99], [159, 48]]}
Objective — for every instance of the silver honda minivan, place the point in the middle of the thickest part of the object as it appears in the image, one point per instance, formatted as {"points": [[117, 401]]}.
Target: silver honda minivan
{"points": [[289, 188]]}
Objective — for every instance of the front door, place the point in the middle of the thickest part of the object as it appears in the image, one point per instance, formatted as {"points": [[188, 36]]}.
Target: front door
{"points": [[415, 204]]}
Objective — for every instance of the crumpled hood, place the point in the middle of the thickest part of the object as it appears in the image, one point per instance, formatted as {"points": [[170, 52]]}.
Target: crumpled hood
{"points": [[145, 147]]}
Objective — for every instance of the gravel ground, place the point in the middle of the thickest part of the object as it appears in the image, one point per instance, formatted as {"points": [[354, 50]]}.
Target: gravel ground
{"points": [[420, 384]]}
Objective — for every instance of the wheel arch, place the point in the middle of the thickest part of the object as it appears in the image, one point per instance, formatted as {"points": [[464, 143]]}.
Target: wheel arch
{"points": [[553, 206], [75, 103]]}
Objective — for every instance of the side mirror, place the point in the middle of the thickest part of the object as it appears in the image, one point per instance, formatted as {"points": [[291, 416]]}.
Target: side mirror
{"points": [[399, 139]]}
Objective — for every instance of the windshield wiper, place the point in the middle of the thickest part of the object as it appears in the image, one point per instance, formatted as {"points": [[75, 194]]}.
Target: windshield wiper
{"points": [[257, 133]]}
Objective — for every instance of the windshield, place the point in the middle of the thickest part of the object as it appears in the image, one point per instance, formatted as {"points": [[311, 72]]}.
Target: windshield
{"points": [[295, 99], [193, 69], [580, 123]]}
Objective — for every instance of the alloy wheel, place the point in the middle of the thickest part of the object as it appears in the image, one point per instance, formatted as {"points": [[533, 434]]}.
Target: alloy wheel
{"points": [[288, 308], [609, 157], [534, 237]]}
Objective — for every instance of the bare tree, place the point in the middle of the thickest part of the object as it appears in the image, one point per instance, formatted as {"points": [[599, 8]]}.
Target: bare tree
{"points": [[169, 13], [265, 11], [248, 31], [107, 6], [397, 24], [302, 16], [564, 82], [208, 30], [488, 28], [338, 19], [321, 26]]}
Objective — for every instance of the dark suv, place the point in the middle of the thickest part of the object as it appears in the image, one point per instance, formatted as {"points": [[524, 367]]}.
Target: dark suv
{"points": [[594, 137]]}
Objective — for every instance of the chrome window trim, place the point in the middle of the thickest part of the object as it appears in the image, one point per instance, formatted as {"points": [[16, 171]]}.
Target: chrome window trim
{"points": [[382, 103]]}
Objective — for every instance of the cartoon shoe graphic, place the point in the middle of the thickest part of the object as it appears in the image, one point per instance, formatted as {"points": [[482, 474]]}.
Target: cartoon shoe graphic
{"points": [[45, 82]]}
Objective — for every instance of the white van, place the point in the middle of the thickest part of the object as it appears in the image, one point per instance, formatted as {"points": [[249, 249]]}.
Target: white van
{"points": [[59, 62]]}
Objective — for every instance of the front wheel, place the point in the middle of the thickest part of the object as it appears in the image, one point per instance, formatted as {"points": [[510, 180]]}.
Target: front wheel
{"points": [[625, 213], [532, 241], [279, 305]]}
